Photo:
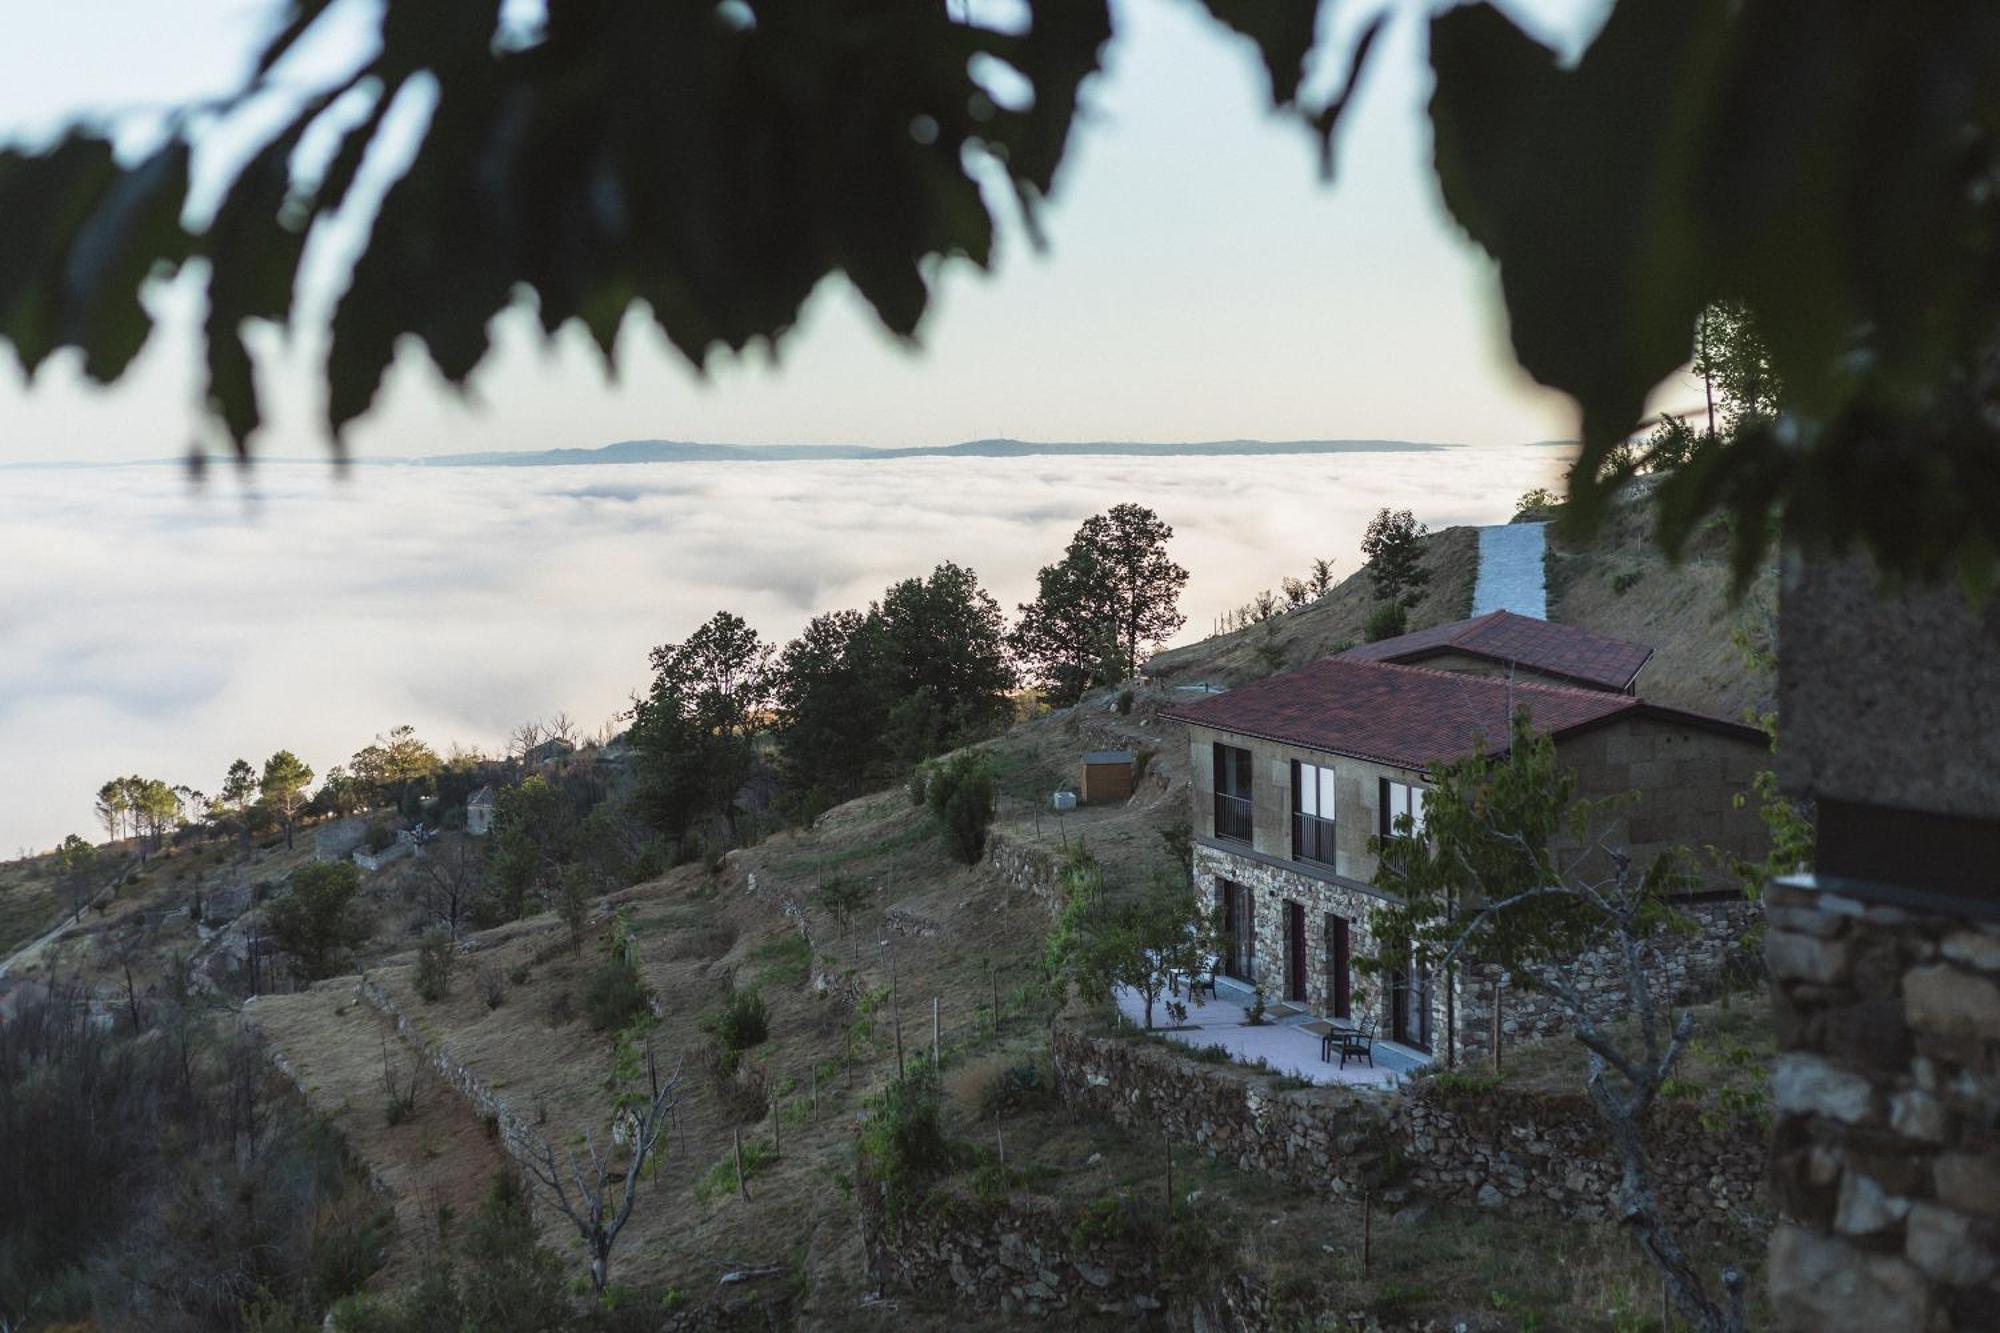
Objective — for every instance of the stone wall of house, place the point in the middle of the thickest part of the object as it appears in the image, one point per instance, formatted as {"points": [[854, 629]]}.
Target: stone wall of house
{"points": [[1885, 1162], [1494, 1147], [1690, 964]]}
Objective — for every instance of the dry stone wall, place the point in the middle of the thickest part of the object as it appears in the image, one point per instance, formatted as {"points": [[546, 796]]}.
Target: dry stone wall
{"points": [[1495, 1147], [1885, 1162]]}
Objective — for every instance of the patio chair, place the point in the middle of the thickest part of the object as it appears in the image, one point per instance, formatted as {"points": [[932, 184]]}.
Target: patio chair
{"points": [[1355, 1042]]}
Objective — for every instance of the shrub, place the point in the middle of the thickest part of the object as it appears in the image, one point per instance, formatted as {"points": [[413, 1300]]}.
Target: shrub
{"points": [[616, 994], [903, 1145], [742, 1022], [721, 1181], [918, 785], [518, 974], [1255, 1015], [1124, 702], [1385, 622], [739, 1087], [1624, 582], [841, 897], [1536, 501], [492, 987], [380, 836], [961, 800], [561, 1009], [653, 861], [985, 1088], [316, 921], [436, 956]]}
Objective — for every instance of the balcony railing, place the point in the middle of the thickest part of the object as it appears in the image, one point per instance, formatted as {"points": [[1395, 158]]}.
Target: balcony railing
{"points": [[1312, 839], [1232, 817]]}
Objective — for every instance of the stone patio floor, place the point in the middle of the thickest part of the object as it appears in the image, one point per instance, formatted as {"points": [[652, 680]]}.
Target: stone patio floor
{"points": [[1288, 1042]]}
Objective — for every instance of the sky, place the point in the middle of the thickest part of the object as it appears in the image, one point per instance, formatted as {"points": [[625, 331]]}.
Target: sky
{"points": [[1201, 281]]}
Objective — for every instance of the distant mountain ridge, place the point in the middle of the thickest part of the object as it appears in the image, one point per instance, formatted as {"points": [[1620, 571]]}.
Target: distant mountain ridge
{"points": [[677, 451]]}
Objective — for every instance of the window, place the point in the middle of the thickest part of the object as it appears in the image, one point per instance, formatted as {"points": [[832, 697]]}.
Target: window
{"points": [[1312, 813], [1399, 799], [1232, 792]]}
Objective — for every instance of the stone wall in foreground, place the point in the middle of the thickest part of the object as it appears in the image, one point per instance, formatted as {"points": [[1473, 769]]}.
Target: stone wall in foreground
{"points": [[1885, 1161]]}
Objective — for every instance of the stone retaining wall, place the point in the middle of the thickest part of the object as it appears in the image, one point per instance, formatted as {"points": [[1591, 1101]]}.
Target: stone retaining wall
{"points": [[1885, 1162], [1495, 1147], [1026, 868]]}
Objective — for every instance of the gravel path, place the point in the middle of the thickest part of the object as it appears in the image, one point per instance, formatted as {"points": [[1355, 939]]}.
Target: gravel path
{"points": [[1510, 571]]}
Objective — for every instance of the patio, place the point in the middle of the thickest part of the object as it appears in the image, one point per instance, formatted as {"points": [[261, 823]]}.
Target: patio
{"points": [[1288, 1040]]}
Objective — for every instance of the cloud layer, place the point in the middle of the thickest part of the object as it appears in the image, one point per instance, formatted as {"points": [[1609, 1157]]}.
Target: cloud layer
{"points": [[146, 628]]}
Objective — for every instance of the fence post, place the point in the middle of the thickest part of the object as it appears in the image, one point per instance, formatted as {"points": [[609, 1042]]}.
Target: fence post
{"points": [[1496, 1025], [742, 1181], [935, 1060]]}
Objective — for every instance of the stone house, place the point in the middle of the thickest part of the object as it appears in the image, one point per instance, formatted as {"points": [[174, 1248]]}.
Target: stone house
{"points": [[1293, 775]]}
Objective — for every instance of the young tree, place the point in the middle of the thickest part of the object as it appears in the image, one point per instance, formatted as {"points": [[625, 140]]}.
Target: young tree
{"points": [[596, 1191], [1394, 546], [283, 787], [1152, 943], [316, 921], [693, 728], [1321, 580], [1514, 871], [452, 878], [1114, 593]]}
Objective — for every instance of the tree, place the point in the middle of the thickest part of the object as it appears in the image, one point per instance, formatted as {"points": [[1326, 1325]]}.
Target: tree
{"points": [[1114, 593], [513, 1282], [74, 858], [239, 788], [395, 766], [316, 921], [533, 826], [1732, 360], [693, 727], [452, 878], [598, 1195], [1151, 943], [943, 643], [115, 805], [1394, 546], [832, 702], [960, 793], [283, 787], [1321, 581], [1513, 870]]}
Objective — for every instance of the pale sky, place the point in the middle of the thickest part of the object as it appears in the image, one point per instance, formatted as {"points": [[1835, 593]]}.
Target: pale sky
{"points": [[1201, 281]]}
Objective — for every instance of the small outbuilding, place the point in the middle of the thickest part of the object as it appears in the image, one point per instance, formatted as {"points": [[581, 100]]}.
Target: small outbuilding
{"points": [[479, 812], [1107, 776]]}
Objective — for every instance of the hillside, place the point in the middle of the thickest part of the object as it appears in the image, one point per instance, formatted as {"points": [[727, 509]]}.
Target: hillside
{"points": [[1617, 583], [1330, 625]]}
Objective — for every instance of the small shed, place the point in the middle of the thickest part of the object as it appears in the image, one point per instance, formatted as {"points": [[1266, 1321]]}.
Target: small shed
{"points": [[1107, 776], [479, 812]]}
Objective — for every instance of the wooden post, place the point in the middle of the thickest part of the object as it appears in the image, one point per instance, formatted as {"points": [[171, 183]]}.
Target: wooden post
{"points": [[993, 985], [815, 1090], [742, 1181], [777, 1132], [1367, 1233], [1496, 1025], [899, 1045], [1000, 1141], [936, 1061]]}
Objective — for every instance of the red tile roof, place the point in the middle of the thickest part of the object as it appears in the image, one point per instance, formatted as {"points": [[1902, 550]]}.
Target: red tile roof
{"points": [[1405, 716], [1540, 645]]}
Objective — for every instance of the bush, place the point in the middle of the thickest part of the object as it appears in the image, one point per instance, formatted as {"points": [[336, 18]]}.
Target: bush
{"points": [[961, 796], [742, 1022], [436, 956], [983, 1089], [1124, 702], [492, 987], [903, 1145], [653, 861], [1623, 583], [841, 898], [1386, 622], [918, 785], [739, 1087], [380, 836], [616, 994]]}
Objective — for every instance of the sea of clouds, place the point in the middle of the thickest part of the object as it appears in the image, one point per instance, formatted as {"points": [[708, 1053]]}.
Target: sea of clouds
{"points": [[148, 626]]}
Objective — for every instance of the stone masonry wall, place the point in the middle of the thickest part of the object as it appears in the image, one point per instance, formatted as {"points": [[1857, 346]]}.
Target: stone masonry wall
{"points": [[1494, 1147], [1885, 1161]]}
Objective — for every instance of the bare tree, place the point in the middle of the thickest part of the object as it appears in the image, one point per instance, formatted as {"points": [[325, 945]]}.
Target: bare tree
{"points": [[592, 1198], [1621, 910], [561, 727], [525, 737], [452, 877]]}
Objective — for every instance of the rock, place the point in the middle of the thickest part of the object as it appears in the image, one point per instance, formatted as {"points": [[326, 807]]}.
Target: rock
{"points": [[1093, 1274], [1489, 1197], [1974, 948], [1950, 1246], [1952, 1003], [1865, 1207], [1805, 921], [1808, 1085], [1917, 1115], [1969, 1182], [1805, 958], [1821, 1284]]}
